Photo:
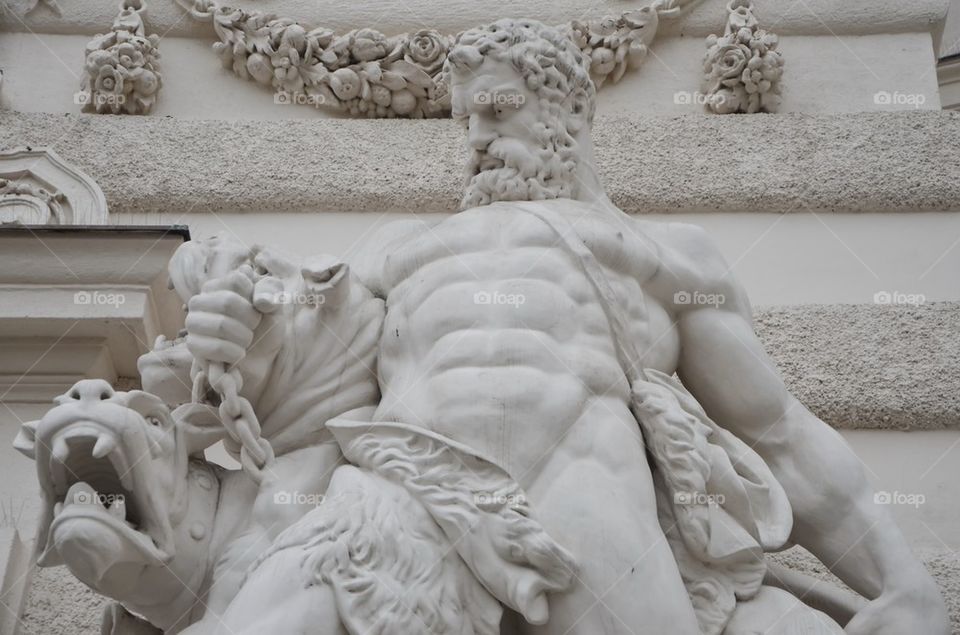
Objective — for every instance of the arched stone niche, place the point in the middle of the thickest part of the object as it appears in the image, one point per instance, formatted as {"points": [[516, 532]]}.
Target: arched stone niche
{"points": [[37, 187]]}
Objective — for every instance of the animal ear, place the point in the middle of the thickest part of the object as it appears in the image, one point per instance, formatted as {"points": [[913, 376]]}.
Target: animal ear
{"points": [[198, 427], [26, 440]]}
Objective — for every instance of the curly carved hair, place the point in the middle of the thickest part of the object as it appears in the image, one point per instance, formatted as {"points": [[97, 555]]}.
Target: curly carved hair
{"points": [[546, 57]]}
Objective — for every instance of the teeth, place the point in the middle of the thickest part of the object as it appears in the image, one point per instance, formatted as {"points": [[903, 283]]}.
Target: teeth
{"points": [[60, 449], [126, 480], [118, 509], [104, 446]]}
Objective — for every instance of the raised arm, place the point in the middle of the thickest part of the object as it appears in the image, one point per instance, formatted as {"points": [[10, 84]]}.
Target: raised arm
{"points": [[723, 364]]}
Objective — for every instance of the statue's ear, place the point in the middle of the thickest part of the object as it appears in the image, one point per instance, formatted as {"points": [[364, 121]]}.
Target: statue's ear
{"points": [[198, 427], [26, 440]]}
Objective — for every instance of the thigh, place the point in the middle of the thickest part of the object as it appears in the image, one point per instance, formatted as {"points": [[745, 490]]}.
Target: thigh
{"points": [[776, 612], [276, 599], [628, 581]]}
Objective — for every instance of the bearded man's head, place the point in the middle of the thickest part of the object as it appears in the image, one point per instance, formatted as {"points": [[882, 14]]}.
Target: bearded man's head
{"points": [[524, 91]]}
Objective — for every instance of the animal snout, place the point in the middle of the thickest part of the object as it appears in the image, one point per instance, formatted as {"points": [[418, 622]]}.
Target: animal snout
{"points": [[88, 390]]}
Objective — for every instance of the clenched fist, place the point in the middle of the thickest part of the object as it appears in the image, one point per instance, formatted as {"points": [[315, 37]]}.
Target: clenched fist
{"points": [[221, 319]]}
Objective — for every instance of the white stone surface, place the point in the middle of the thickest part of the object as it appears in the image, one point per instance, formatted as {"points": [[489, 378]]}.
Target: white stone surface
{"points": [[788, 259], [820, 17]]}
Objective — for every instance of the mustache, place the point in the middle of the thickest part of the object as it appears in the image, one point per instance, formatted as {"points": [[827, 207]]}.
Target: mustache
{"points": [[507, 153]]}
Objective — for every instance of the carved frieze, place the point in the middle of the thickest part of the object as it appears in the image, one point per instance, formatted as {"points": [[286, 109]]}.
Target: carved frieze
{"points": [[366, 73]]}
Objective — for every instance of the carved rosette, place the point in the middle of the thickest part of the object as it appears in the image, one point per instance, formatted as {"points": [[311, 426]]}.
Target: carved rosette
{"points": [[121, 72], [366, 73], [743, 67]]}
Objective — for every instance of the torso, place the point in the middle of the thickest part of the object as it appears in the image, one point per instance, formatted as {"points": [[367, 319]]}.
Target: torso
{"points": [[494, 335]]}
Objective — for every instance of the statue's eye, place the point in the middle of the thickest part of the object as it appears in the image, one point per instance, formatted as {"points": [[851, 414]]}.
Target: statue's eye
{"points": [[154, 421]]}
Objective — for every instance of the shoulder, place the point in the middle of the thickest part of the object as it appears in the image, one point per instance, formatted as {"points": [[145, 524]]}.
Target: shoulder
{"points": [[693, 271], [370, 258]]}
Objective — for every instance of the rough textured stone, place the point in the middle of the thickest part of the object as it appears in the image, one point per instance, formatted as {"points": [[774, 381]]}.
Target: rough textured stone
{"points": [[943, 565], [59, 604], [869, 366], [877, 162]]}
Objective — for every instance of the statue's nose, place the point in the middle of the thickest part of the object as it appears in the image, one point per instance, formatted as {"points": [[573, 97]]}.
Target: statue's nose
{"points": [[90, 390]]}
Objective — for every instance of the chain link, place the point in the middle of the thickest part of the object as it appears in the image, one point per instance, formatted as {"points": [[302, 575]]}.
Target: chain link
{"points": [[237, 416]]}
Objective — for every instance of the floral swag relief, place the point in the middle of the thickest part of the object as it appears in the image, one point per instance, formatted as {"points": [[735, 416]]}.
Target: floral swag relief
{"points": [[743, 68], [121, 71], [366, 73]]}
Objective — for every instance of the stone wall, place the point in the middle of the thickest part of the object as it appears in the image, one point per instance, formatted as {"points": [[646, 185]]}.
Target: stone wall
{"points": [[864, 162]]}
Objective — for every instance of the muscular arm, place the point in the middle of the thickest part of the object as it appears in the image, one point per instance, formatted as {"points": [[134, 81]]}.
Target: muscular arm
{"points": [[724, 365]]}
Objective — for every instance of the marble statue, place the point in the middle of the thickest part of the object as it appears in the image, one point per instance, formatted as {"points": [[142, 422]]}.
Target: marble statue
{"points": [[537, 416]]}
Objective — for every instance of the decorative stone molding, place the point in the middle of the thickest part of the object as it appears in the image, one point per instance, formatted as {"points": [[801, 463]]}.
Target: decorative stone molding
{"points": [[743, 68], [50, 4], [366, 73], [37, 187], [121, 72], [30, 204]]}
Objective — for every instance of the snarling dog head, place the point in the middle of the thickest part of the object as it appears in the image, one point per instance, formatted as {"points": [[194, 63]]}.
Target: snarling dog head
{"points": [[112, 470]]}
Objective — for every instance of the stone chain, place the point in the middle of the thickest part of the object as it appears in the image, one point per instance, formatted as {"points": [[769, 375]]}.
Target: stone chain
{"points": [[237, 417]]}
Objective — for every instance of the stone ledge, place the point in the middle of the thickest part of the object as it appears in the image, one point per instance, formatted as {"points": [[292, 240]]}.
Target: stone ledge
{"points": [[812, 17], [874, 162], [869, 366]]}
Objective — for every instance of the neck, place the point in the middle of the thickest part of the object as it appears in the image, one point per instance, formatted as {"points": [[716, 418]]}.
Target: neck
{"points": [[590, 189], [186, 579]]}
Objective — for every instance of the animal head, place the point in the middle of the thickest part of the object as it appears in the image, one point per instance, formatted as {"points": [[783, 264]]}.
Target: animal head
{"points": [[112, 468]]}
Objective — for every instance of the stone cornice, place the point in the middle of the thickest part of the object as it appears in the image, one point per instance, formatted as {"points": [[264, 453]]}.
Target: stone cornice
{"points": [[876, 162], [812, 17], [877, 366]]}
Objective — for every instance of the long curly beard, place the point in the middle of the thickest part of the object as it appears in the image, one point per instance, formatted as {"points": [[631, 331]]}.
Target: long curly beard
{"points": [[509, 170]]}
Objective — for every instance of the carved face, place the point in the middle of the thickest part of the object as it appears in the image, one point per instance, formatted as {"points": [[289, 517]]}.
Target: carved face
{"points": [[520, 143], [111, 467]]}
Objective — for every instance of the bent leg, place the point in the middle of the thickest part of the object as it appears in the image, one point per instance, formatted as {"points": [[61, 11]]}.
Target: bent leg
{"points": [[276, 599], [776, 612]]}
